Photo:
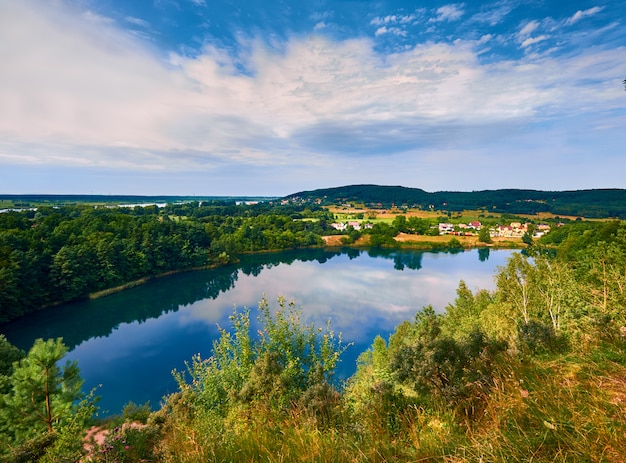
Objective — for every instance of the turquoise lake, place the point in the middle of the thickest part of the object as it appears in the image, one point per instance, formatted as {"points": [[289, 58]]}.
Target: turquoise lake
{"points": [[128, 343]]}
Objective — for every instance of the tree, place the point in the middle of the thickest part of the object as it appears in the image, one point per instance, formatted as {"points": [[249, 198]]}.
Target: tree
{"points": [[400, 224], [484, 236], [43, 395], [9, 354], [382, 234], [513, 282], [527, 239], [433, 363], [604, 267]]}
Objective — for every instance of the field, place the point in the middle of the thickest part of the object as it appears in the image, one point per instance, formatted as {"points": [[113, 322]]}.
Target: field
{"points": [[387, 215]]}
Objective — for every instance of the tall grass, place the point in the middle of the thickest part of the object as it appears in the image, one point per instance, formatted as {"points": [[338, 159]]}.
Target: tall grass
{"points": [[559, 408], [571, 408]]}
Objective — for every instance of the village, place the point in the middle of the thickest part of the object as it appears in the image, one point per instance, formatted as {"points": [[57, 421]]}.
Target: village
{"points": [[512, 230]]}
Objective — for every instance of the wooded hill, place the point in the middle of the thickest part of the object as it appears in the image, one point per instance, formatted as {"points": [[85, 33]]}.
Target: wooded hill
{"points": [[597, 203]]}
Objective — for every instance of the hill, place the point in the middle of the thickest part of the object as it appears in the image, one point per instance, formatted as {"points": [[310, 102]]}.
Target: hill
{"points": [[595, 203]]}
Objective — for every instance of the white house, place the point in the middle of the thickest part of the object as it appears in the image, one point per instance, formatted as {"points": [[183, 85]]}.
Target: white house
{"points": [[445, 228]]}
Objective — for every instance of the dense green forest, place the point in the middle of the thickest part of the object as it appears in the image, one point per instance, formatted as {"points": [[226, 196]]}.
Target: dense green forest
{"points": [[533, 370], [599, 203], [59, 254]]}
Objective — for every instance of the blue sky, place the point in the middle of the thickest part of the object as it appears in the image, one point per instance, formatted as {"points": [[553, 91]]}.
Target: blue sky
{"points": [[232, 97]]}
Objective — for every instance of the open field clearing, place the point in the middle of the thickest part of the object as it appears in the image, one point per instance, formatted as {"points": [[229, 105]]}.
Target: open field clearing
{"points": [[384, 215]]}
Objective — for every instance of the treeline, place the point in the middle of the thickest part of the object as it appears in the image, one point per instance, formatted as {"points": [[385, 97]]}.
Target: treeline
{"points": [[34, 200], [56, 255], [598, 203], [533, 369]]}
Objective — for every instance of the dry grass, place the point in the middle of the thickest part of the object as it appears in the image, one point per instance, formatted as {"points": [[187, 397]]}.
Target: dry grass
{"points": [[422, 241]]}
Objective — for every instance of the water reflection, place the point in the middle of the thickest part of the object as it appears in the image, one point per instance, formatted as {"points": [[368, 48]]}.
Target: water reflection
{"points": [[130, 341]]}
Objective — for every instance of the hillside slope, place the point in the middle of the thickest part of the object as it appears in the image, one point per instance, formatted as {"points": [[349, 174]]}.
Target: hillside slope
{"points": [[596, 203]]}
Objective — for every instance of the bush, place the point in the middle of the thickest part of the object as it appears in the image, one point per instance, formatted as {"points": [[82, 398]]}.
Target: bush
{"points": [[287, 359]]}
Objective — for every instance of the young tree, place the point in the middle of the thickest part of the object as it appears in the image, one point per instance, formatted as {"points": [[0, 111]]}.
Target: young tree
{"points": [[43, 395], [513, 282]]}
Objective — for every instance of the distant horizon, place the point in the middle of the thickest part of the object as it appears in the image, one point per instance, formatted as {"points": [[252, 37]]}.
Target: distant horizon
{"points": [[285, 195]]}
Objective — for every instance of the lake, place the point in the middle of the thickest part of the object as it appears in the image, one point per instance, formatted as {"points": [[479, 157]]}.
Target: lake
{"points": [[130, 342]]}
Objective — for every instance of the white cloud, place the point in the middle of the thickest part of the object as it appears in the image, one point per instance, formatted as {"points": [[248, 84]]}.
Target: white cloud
{"points": [[88, 92], [451, 12], [580, 14], [528, 28], [532, 40], [390, 30], [524, 34], [393, 19], [493, 14], [136, 21]]}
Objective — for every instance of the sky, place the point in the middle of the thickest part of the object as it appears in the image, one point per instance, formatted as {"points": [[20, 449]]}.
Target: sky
{"points": [[259, 97]]}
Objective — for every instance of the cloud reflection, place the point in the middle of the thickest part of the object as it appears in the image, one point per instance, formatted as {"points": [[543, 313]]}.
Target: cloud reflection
{"points": [[357, 295]]}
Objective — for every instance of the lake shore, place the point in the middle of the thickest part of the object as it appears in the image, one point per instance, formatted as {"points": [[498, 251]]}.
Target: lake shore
{"points": [[144, 280], [423, 242], [404, 240]]}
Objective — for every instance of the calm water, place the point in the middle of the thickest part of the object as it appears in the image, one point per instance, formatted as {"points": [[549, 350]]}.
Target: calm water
{"points": [[130, 342]]}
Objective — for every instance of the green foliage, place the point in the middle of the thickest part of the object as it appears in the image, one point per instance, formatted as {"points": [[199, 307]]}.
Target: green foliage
{"points": [[586, 203], [133, 413], [44, 412], [434, 364], [9, 354], [286, 360], [400, 223], [483, 235], [382, 235], [465, 314], [454, 243], [60, 255], [43, 394]]}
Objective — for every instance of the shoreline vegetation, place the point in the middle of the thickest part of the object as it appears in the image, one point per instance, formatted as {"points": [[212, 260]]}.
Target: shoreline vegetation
{"points": [[535, 368], [144, 280], [421, 243], [334, 241]]}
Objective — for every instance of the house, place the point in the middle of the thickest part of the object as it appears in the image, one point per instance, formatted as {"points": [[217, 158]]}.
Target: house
{"points": [[504, 230], [446, 228], [475, 225]]}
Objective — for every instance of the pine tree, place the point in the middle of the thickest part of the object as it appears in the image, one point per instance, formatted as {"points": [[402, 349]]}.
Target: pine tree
{"points": [[43, 395]]}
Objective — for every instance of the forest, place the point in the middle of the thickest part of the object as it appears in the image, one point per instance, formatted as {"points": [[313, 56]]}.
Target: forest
{"points": [[60, 254], [533, 370], [598, 203]]}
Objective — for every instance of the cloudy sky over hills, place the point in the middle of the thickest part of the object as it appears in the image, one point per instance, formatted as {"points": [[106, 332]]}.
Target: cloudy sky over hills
{"points": [[232, 97]]}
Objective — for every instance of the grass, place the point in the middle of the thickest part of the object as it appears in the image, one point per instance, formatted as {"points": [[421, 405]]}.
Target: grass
{"points": [[432, 242], [556, 408], [343, 213], [569, 408]]}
